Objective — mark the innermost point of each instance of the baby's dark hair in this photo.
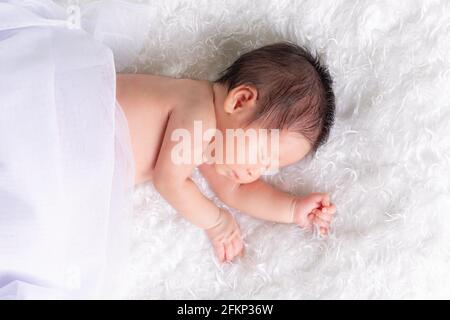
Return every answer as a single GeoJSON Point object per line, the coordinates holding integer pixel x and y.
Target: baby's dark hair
{"type": "Point", "coordinates": [294, 89]}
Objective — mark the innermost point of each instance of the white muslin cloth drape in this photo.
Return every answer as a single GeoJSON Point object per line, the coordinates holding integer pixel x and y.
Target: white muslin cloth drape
{"type": "Point", "coordinates": [66, 167]}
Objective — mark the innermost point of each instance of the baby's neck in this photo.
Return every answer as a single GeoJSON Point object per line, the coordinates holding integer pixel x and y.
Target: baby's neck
{"type": "Point", "coordinates": [219, 95]}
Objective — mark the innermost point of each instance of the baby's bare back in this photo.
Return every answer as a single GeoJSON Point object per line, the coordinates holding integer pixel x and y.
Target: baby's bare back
{"type": "Point", "coordinates": [148, 102]}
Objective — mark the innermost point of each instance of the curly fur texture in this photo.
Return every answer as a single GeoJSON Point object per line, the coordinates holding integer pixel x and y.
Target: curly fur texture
{"type": "Point", "coordinates": [386, 165]}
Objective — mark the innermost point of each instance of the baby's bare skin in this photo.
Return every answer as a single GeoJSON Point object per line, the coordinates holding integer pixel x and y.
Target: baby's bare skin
{"type": "Point", "coordinates": [156, 105]}
{"type": "Point", "coordinates": [148, 101]}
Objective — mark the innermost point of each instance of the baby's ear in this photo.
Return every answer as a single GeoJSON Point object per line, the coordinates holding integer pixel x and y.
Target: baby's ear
{"type": "Point", "coordinates": [241, 98]}
{"type": "Point", "coordinates": [230, 105]}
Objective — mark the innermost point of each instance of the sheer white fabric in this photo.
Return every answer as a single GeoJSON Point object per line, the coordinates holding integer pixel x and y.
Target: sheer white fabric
{"type": "Point", "coordinates": [66, 170]}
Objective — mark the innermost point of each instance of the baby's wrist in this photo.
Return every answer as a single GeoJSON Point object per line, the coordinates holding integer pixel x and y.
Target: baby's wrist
{"type": "Point", "coordinates": [217, 221]}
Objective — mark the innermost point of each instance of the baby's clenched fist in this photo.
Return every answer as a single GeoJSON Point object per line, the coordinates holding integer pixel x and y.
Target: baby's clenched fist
{"type": "Point", "coordinates": [314, 209]}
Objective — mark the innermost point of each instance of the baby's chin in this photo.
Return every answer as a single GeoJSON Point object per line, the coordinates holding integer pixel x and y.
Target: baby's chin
{"type": "Point", "coordinates": [226, 172]}
{"type": "Point", "coordinates": [230, 174]}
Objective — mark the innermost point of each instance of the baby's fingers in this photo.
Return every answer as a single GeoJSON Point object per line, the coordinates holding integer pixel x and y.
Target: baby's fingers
{"type": "Point", "coordinates": [331, 209]}
{"type": "Point", "coordinates": [325, 216]}
{"type": "Point", "coordinates": [238, 246]}
{"type": "Point", "coordinates": [229, 251]}
{"type": "Point", "coordinates": [325, 199]}
{"type": "Point", "coordinates": [320, 222]}
{"type": "Point", "coordinates": [219, 248]}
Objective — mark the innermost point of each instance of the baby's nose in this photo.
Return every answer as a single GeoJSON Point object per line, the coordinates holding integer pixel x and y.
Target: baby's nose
{"type": "Point", "coordinates": [254, 172]}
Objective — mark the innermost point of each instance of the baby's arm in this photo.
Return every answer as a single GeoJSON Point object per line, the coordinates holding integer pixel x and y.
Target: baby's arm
{"type": "Point", "coordinates": [261, 200]}
{"type": "Point", "coordinates": [173, 182]}
{"type": "Point", "coordinates": [257, 199]}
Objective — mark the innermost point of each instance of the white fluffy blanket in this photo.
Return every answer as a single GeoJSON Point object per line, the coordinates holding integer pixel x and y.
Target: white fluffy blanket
{"type": "Point", "coordinates": [386, 165]}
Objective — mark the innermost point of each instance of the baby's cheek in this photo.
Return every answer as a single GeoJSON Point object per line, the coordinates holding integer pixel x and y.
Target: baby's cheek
{"type": "Point", "coordinates": [220, 169]}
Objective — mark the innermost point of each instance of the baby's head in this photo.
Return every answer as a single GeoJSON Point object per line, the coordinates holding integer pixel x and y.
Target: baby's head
{"type": "Point", "coordinates": [278, 86]}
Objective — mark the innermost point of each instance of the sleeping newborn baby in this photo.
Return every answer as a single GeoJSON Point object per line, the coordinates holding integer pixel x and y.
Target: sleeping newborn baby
{"type": "Point", "coordinates": [269, 109]}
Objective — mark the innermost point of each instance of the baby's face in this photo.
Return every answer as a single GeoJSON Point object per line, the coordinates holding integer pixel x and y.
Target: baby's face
{"type": "Point", "coordinates": [291, 148]}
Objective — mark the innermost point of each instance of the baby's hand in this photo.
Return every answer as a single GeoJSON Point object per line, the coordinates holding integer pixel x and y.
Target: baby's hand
{"type": "Point", "coordinates": [314, 209]}
{"type": "Point", "coordinates": [226, 238]}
